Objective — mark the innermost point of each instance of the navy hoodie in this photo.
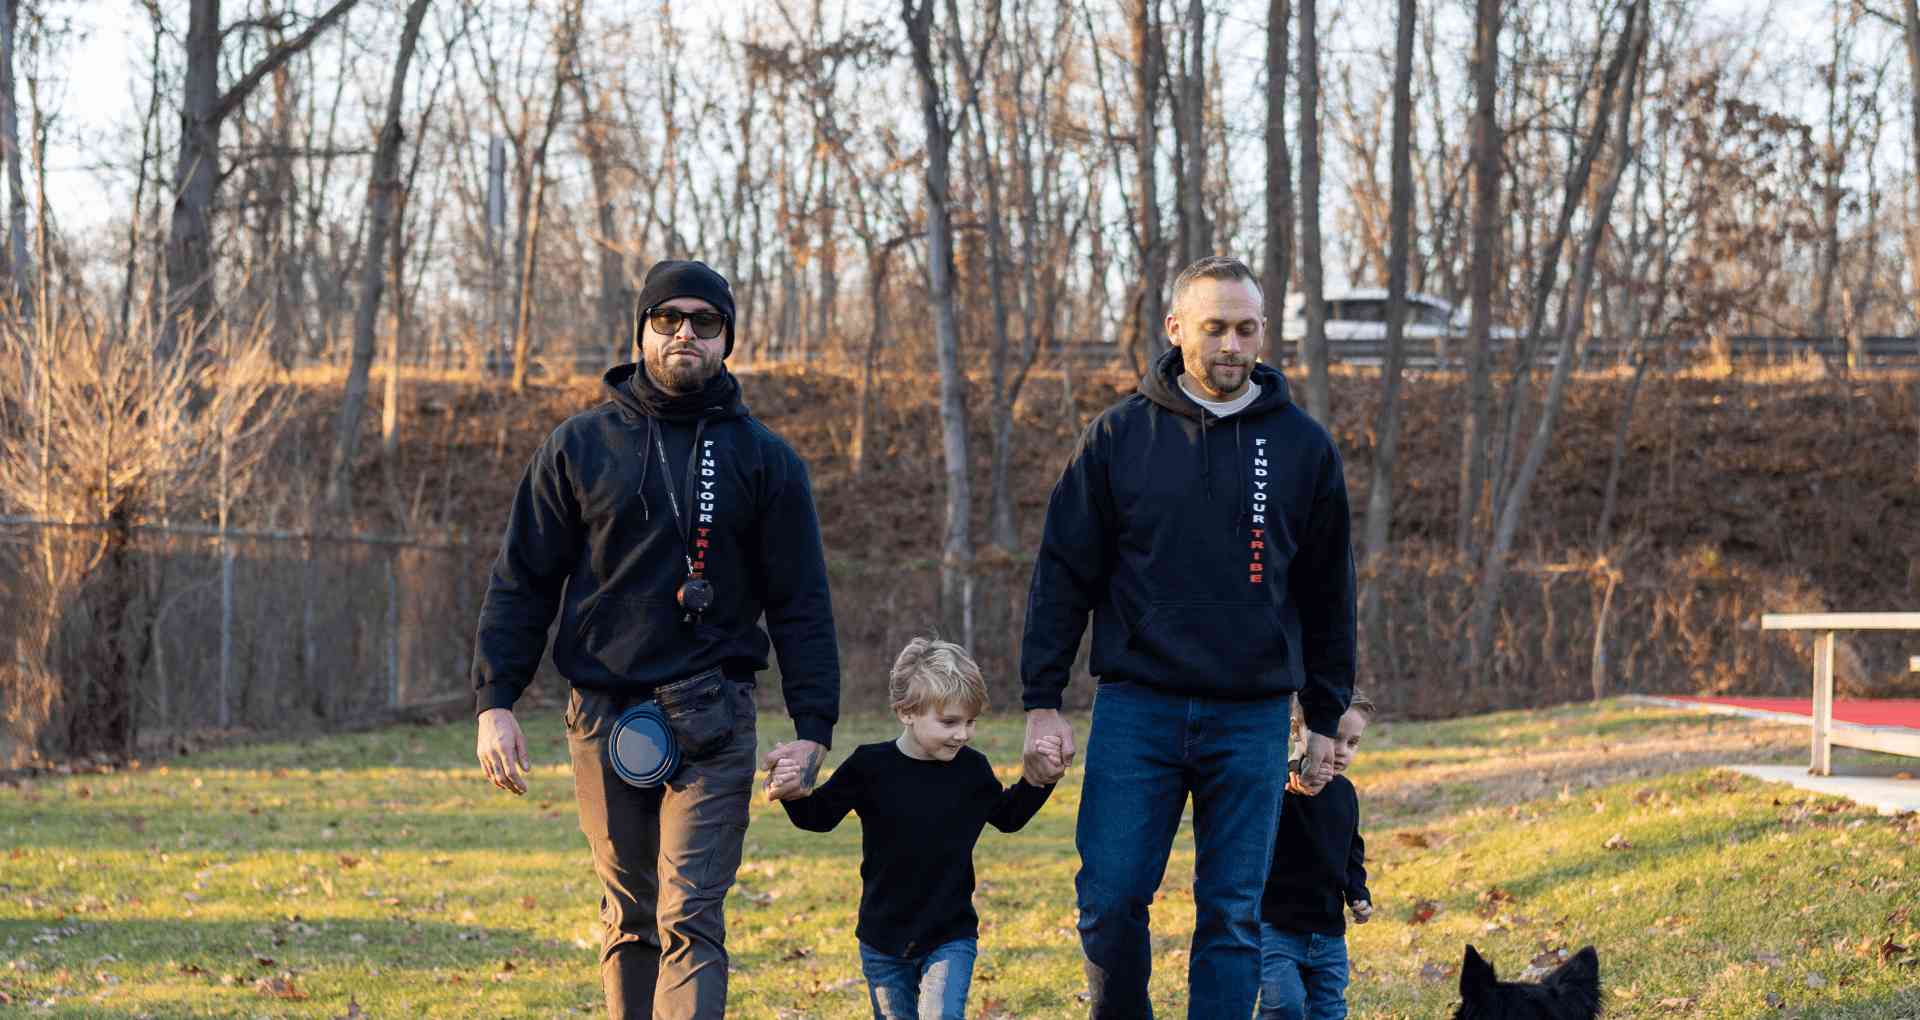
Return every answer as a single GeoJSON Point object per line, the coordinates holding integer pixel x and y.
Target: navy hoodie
{"type": "Point", "coordinates": [1213, 553]}
{"type": "Point", "coordinates": [592, 534]}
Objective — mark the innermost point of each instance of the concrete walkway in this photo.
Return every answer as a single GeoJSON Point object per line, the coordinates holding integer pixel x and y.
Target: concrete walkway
{"type": "Point", "coordinates": [1882, 792]}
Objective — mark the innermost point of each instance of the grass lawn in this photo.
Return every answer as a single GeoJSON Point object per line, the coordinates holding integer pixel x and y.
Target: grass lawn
{"type": "Point", "coordinates": [377, 875]}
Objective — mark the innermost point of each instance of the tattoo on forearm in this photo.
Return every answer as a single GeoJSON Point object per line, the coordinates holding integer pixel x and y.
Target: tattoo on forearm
{"type": "Point", "coordinates": [811, 770]}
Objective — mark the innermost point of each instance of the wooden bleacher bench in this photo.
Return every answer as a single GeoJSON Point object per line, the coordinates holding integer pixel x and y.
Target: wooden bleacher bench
{"type": "Point", "coordinates": [1827, 733]}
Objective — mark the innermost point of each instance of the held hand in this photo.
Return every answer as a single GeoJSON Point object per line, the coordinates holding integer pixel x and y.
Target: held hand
{"type": "Point", "coordinates": [793, 768]}
{"type": "Point", "coordinates": [1305, 786]}
{"type": "Point", "coordinates": [1037, 764]}
{"type": "Point", "coordinates": [1362, 911]}
{"type": "Point", "coordinates": [1054, 759]}
{"type": "Point", "coordinates": [502, 750]}
{"type": "Point", "coordinates": [1317, 762]}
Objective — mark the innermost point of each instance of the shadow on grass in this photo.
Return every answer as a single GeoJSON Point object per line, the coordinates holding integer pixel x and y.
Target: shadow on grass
{"type": "Point", "coordinates": [238, 946]}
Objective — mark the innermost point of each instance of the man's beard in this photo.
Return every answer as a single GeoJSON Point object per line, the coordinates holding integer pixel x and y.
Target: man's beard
{"type": "Point", "coordinates": [1227, 378]}
{"type": "Point", "coordinates": [679, 375]}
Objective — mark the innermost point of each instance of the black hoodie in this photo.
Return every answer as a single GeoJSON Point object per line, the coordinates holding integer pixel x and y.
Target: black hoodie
{"type": "Point", "coordinates": [592, 533]}
{"type": "Point", "coordinates": [1213, 554]}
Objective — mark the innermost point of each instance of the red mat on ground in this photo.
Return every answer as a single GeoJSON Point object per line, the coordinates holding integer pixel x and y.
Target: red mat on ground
{"type": "Point", "coordinates": [1879, 712]}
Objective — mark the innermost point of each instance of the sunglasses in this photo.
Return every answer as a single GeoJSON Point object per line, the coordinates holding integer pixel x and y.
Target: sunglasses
{"type": "Point", "coordinates": [666, 322]}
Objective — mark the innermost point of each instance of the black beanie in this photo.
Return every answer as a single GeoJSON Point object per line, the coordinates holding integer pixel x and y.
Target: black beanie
{"type": "Point", "coordinates": [672, 278]}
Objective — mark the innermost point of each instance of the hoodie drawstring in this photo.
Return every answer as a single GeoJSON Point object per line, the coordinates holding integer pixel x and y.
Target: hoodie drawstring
{"type": "Point", "coordinates": [645, 462]}
{"type": "Point", "coordinates": [1206, 461]}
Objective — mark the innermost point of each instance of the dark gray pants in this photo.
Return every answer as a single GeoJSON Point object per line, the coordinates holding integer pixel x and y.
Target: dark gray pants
{"type": "Point", "coordinates": [666, 858]}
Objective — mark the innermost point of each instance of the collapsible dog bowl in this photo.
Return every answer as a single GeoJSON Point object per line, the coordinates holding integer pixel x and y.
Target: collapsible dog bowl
{"type": "Point", "coordinates": [641, 747]}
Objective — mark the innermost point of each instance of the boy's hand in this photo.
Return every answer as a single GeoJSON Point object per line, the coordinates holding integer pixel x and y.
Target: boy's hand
{"type": "Point", "coordinates": [1041, 724]}
{"type": "Point", "coordinates": [792, 768]}
{"type": "Point", "coordinates": [1307, 784]}
{"type": "Point", "coordinates": [1362, 911]}
{"type": "Point", "coordinates": [1052, 766]}
{"type": "Point", "coordinates": [783, 781]}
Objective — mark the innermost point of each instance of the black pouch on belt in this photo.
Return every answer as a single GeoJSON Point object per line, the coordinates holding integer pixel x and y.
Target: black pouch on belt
{"type": "Point", "coordinates": [700, 712]}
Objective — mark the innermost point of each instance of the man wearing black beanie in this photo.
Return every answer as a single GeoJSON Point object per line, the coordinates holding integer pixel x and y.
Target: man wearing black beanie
{"type": "Point", "coordinates": [662, 526]}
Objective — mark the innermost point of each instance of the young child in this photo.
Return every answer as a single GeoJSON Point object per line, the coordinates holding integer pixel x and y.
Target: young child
{"type": "Point", "coordinates": [923, 799]}
{"type": "Point", "coordinates": [1318, 868]}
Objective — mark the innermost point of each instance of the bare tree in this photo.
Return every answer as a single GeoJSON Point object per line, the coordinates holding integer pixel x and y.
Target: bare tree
{"type": "Point", "coordinates": [1190, 187]}
{"type": "Point", "coordinates": [1626, 60]}
{"type": "Point", "coordinates": [1379, 521]}
{"type": "Point", "coordinates": [1278, 252]}
{"type": "Point", "coordinates": [15, 264]}
{"type": "Point", "coordinates": [1313, 347]}
{"type": "Point", "coordinates": [204, 109]}
{"type": "Point", "coordinates": [616, 285]}
{"type": "Point", "coordinates": [1148, 57]}
{"type": "Point", "coordinates": [1487, 145]}
{"type": "Point", "coordinates": [956, 560]}
{"type": "Point", "coordinates": [382, 190]}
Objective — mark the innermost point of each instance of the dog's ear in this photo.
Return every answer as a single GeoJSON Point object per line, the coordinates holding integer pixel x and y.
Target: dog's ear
{"type": "Point", "coordinates": [1583, 969]}
{"type": "Point", "coordinates": [1476, 975]}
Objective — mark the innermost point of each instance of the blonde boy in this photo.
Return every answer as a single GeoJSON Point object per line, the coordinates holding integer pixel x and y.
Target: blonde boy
{"type": "Point", "coordinates": [1319, 868]}
{"type": "Point", "coordinates": [923, 799]}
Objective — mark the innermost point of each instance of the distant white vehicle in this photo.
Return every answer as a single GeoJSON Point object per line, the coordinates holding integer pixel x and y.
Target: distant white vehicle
{"type": "Point", "coordinates": [1361, 315]}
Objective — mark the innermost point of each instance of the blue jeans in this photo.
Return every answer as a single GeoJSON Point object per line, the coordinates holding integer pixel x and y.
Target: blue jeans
{"type": "Point", "coordinates": [930, 987]}
{"type": "Point", "coordinates": [1148, 750]}
{"type": "Point", "coordinates": [1303, 975]}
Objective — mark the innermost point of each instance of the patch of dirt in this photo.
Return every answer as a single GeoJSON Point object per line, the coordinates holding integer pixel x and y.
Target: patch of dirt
{"type": "Point", "coordinates": [1524, 773]}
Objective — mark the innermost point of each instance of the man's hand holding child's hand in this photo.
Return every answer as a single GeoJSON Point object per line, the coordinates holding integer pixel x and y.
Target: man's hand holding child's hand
{"type": "Point", "coordinates": [1053, 751]}
{"type": "Point", "coordinates": [1362, 911]}
{"type": "Point", "coordinates": [792, 769]}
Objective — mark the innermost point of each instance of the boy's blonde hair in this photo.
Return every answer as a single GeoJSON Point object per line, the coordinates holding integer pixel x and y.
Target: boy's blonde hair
{"type": "Point", "coordinates": [929, 673]}
{"type": "Point", "coordinates": [1360, 703]}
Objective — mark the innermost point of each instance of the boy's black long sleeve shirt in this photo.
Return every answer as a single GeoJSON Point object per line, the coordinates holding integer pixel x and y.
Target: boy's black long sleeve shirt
{"type": "Point", "coordinates": [1319, 861]}
{"type": "Point", "coordinates": [919, 821]}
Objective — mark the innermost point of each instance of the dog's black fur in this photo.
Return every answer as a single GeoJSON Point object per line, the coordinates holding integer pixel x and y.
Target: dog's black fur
{"type": "Point", "coordinates": [1571, 992]}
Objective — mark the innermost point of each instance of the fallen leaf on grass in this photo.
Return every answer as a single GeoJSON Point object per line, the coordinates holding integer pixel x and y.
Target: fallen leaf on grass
{"type": "Point", "coordinates": [1435, 971]}
{"type": "Point", "coordinates": [1617, 842]}
{"type": "Point", "coordinates": [1767, 960]}
{"type": "Point", "coordinates": [796, 953]}
{"type": "Point", "coordinates": [1816, 981]}
{"type": "Point", "coordinates": [1676, 1002]}
{"type": "Point", "coordinates": [192, 969]}
{"type": "Point", "coordinates": [353, 1010]}
{"type": "Point", "coordinates": [1775, 1001]}
{"type": "Point", "coordinates": [1423, 911]}
{"type": "Point", "coordinates": [281, 987]}
{"type": "Point", "coordinates": [1491, 901]}
{"type": "Point", "coordinates": [348, 862]}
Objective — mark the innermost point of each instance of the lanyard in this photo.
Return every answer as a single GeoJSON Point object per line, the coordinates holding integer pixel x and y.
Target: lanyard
{"type": "Point", "coordinates": [673, 500]}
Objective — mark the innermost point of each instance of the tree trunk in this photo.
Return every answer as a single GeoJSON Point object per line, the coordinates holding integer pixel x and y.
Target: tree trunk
{"type": "Point", "coordinates": [1314, 346]}
{"type": "Point", "coordinates": [533, 198]}
{"type": "Point", "coordinates": [1487, 143]}
{"type": "Point", "coordinates": [956, 561]}
{"type": "Point", "coordinates": [18, 267]}
{"type": "Point", "coordinates": [1192, 183]}
{"type": "Point", "coordinates": [1152, 335]}
{"type": "Point", "coordinates": [382, 190]}
{"type": "Point", "coordinates": [1379, 521]}
{"type": "Point", "coordinates": [1913, 219]}
{"type": "Point", "coordinates": [863, 406]}
{"type": "Point", "coordinates": [1278, 253]}
{"type": "Point", "coordinates": [616, 290]}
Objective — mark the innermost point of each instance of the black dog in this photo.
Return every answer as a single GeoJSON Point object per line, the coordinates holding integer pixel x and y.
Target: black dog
{"type": "Point", "coordinates": [1571, 992]}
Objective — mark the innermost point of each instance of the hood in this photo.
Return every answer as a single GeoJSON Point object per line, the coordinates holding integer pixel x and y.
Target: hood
{"type": "Point", "coordinates": [1161, 385]}
{"type": "Point", "coordinates": [637, 397]}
